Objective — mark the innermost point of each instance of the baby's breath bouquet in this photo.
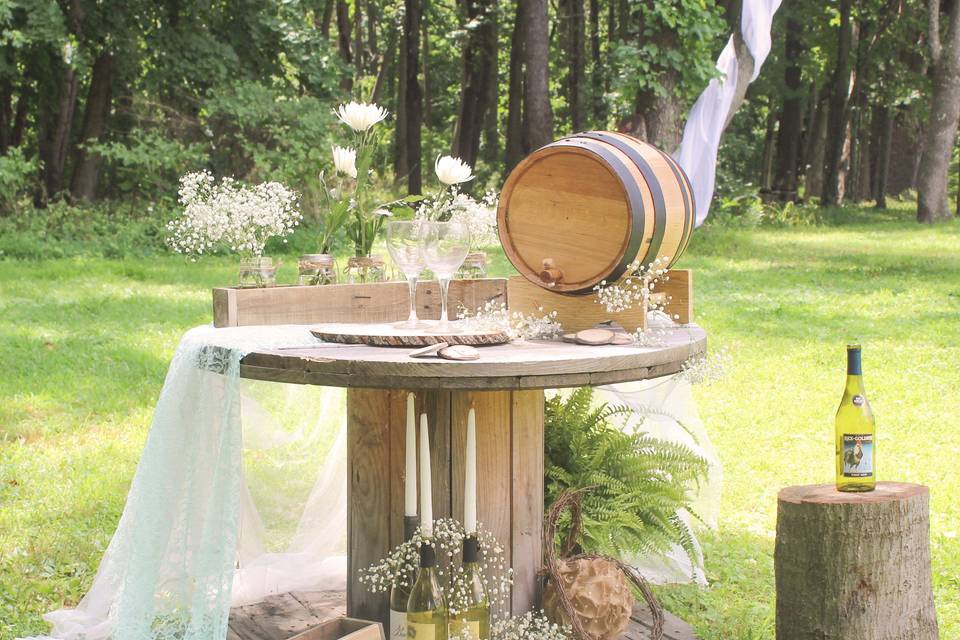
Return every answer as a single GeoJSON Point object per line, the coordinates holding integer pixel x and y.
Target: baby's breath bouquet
{"type": "Point", "coordinates": [231, 216]}
{"type": "Point", "coordinates": [398, 567]}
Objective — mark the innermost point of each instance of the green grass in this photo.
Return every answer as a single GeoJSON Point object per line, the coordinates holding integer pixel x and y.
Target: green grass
{"type": "Point", "coordinates": [84, 345]}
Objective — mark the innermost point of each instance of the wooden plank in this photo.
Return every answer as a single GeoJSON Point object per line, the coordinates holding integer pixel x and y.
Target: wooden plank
{"type": "Point", "coordinates": [678, 288]}
{"type": "Point", "coordinates": [398, 462]}
{"type": "Point", "coordinates": [368, 497]}
{"type": "Point", "coordinates": [437, 406]}
{"type": "Point", "coordinates": [372, 302]}
{"type": "Point", "coordinates": [323, 604]}
{"type": "Point", "coordinates": [641, 622]}
{"type": "Point", "coordinates": [526, 496]}
{"type": "Point", "coordinates": [275, 618]}
{"type": "Point", "coordinates": [574, 313]}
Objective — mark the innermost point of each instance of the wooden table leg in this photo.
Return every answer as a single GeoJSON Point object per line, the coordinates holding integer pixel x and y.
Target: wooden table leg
{"type": "Point", "coordinates": [509, 478]}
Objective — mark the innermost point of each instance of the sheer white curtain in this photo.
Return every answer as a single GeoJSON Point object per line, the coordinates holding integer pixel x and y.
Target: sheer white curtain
{"type": "Point", "coordinates": [701, 135]}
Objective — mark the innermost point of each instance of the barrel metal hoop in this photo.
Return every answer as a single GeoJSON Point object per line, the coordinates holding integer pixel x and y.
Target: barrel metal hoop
{"type": "Point", "coordinates": [659, 202]}
{"type": "Point", "coordinates": [633, 194]}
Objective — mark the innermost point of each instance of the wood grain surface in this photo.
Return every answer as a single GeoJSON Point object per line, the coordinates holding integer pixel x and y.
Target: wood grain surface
{"type": "Point", "coordinates": [533, 364]}
{"type": "Point", "coordinates": [387, 335]}
{"type": "Point", "coordinates": [371, 302]}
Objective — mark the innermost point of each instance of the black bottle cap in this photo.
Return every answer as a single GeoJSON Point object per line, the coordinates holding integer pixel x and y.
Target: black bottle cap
{"type": "Point", "coordinates": [428, 556]}
{"type": "Point", "coordinates": [471, 549]}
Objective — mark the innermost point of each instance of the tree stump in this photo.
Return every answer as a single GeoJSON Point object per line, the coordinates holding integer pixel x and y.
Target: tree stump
{"type": "Point", "coordinates": [854, 566]}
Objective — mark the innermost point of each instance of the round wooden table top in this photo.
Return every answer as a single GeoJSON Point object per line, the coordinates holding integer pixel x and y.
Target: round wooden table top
{"type": "Point", "coordinates": [534, 364]}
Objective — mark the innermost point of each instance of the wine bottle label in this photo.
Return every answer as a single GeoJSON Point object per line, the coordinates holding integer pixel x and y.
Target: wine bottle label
{"type": "Point", "coordinates": [398, 625]}
{"type": "Point", "coordinates": [858, 455]}
{"type": "Point", "coordinates": [421, 631]}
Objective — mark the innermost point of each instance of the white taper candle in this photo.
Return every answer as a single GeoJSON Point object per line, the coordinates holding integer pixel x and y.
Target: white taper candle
{"type": "Point", "coordinates": [410, 479]}
{"type": "Point", "coordinates": [426, 484]}
{"type": "Point", "coordinates": [470, 482]}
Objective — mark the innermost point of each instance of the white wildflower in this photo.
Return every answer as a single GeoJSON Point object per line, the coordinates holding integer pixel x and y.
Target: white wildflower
{"type": "Point", "coordinates": [360, 116]}
{"type": "Point", "coordinates": [451, 171]}
{"type": "Point", "coordinates": [345, 160]}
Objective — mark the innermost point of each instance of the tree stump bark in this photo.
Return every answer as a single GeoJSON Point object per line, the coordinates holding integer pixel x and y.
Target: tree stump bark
{"type": "Point", "coordinates": [854, 566]}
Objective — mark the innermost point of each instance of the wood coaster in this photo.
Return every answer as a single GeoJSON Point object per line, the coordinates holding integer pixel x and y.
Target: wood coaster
{"type": "Point", "coordinates": [595, 337]}
{"type": "Point", "coordinates": [459, 352]}
{"type": "Point", "coordinates": [427, 351]}
{"type": "Point", "coordinates": [622, 339]}
{"type": "Point", "coordinates": [569, 337]}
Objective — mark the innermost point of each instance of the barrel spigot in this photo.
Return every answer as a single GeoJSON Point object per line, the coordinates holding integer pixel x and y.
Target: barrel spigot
{"type": "Point", "coordinates": [550, 275]}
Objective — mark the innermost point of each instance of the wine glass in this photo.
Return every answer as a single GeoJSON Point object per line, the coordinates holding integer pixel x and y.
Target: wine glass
{"type": "Point", "coordinates": [445, 245]}
{"type": "Point", "coordinates": [404, 245]}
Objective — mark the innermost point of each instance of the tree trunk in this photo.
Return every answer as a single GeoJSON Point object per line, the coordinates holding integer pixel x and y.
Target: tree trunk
{"type": "Point", "coordinates": [87, 165]}
{"type": "Point", "coordinates": [575, 80]}
{"type": "Point", "coordinates": [537, 112]}
{"type": "Point", "coordinates": [514, 151]}
{"type": "Point", "coordinates": [766, 162]}
{"type": "Point", "coordinates": [858, 116]}
{"type": "Point", "coordinates": [940, 131]}
{"type": "Point", "coordinates": [490, 149]}
{"type": "Point", "coordinates": [386, 65]}
{"type": "Point", "coordinates": [413, 98]}
{"type": "Point", "coordinates": [885, 127]}
{"type": "Point", "coordinates": [56, 122]}
{"type": "Point", "coordinates": [791, 117]}
{"type": "Point", "coordinates": [813, 180]}
{"type": "Point", "coordinates": [837, 120]}
{"type": "Point", "coordinates": [475, 95]}
{"type": "Point", "coordinates": [854, 566]}
{"type": "Point", "coordinates": [6, 114]}
{"type": "Point", "coordinates": [597, 71]}
{"type": "Point", "coordinates": [358, 52]}
{"type": "Point", "coordinates": [401, 165]}
{"type": "Point", "coordinates": [326, 18]}
{"type": "Point", "coordinates": [373, 17]}
{"type": "Point", "coordinates": [427, 101]}
{"type": "Point", "coordinates": [343, 41]}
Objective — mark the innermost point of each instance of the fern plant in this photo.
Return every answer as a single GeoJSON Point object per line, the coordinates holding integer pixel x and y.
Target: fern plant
{"type": "Point", "coordinates": [637, 482]}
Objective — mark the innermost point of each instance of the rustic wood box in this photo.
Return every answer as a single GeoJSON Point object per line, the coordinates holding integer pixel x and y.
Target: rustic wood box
{"type": "Point", "coordinates": [343, 629]}
{"type": "Point", "coordinates": [388, 302]}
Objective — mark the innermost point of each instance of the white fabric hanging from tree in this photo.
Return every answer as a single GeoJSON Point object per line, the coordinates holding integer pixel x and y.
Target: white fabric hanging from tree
{"type": "Point", "coordinates": [715, 106]}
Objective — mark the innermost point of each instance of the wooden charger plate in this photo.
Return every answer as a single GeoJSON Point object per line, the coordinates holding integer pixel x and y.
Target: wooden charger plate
{"type": "Point", "coordinates": [387, 335]}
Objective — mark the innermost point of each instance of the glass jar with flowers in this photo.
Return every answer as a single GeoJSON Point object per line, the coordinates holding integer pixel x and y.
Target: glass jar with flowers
{"type": "Point", "coordinates": [233, 217]}
{"type": "Point", "coordinates": [352, 196]}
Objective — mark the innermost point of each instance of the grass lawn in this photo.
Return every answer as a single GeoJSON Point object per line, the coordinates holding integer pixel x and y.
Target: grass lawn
{"type": "Point", "coordinates": [84, 345]}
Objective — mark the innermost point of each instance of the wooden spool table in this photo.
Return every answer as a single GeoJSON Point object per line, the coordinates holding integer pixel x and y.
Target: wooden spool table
{"type": "Point", "coordinates": [505, 386]}
{"type": "Point", "coordinates": [854, 566]}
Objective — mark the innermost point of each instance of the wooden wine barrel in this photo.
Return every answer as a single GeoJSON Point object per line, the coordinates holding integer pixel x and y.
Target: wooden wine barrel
{"type": "Point", "coordinates": [580, 210]}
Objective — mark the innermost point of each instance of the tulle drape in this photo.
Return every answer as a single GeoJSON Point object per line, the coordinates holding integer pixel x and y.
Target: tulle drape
{"type": "Point", "coordinates": [701, 135]}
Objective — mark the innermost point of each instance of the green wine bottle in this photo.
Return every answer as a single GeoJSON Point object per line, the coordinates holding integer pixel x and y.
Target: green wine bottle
{"type": "Point", "coordinates": [856, 431]}
{"type": "Point", "coordinates": [426, 608]}
{"type": "Point", "coordinates": [400, 593]}
{"type": "Point", "coordinates": [474, 622]}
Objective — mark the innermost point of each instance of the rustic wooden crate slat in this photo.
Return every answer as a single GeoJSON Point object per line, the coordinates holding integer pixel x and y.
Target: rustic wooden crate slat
{"type": "Point", "coordinates": [526, 533]}
{"type": "Point", "coordinates": [371, 302]}
{"type": "Point", "coordinates": [574, 313]}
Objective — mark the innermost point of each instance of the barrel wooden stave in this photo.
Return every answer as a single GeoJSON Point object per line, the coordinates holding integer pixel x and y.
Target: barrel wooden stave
{"type": "Point", "coordinates": [592, 204]}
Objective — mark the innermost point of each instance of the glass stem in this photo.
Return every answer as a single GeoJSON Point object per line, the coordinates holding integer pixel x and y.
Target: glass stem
{"type": "Point", "coordinates": [444, 288]}
{"type": "Point", "coordinates": [412, 283]}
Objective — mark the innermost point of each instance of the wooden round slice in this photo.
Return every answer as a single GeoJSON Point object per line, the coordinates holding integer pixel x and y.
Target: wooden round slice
{"type": "Point", "coordinates": [427, 351]}
{"type": "Point", "coordinates": [459, 352]}
{"type": "Point", "coordinates": [622, 339]}
{"type": "Point", "coordinates": [595, 336]}
{"type": "Point", "coordinates": [569, 337]}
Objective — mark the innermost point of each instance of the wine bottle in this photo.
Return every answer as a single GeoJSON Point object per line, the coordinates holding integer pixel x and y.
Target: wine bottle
{"type": "Point", "coordinates": [426, 608]}
{"type": "Point", "coordinates": [855, 438]}
{"type": "Point", "coordinates": [400, 593]}
{"type": "Point", "coordinates": [474, 621]}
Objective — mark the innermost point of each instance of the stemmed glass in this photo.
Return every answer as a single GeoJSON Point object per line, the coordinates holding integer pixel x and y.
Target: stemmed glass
{"type": "Point", "coordinates": [445, 245]}
{"type": "Point", "coordinates": [405, 247]}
